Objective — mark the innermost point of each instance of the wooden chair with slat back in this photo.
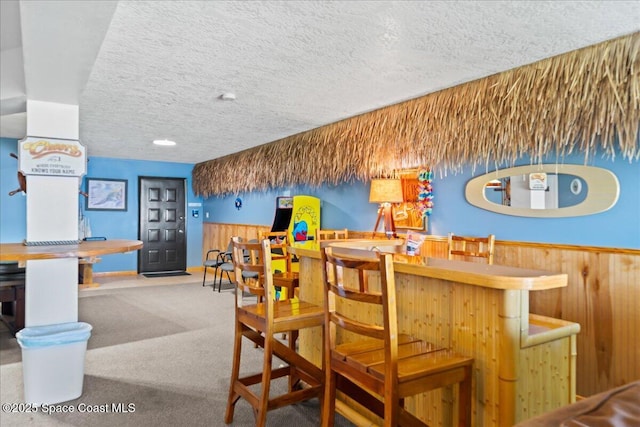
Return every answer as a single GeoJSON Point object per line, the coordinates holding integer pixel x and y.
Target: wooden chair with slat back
{"type": "Point", "coordinates": [260, 322]}
{"type": "Point", "coordinates": [279, 242]}
{"type": "Point", "coordinates": [279, 252]}
{"type": "Point", "coordinates": [327, 234]}
{"type": "Point", "coordinates": [368, 359]}
{"type": "Point", "coordinates": [478, 249]}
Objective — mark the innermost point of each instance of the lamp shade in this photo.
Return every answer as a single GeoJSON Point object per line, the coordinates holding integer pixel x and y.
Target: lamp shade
{"type": "Point", "coordinates": [386, 191]}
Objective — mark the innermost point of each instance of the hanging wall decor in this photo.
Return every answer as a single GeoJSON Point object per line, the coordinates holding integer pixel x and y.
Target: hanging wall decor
{"type": "Point", "coordinates": [410, 214]}
{"type": "Point", "coordinates": [425, 194]}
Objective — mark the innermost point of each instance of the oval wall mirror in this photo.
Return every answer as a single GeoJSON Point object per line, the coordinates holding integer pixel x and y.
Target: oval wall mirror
{"type": "Point", "coordinates": [546, 191]}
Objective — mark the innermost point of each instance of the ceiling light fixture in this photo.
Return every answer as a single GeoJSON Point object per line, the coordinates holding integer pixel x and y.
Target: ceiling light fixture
{"type": "Point", "coordinates": [164, 142]}
{"type": "Point", "coordinates": [228, 96]}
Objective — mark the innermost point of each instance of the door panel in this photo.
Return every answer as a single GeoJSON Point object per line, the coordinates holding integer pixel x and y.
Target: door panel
{"type": "Point", "coordinates": [162, 225]}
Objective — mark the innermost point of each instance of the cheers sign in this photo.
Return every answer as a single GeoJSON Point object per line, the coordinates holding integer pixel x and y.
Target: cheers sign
{"type": "Point", "coordinates": [49, 156]}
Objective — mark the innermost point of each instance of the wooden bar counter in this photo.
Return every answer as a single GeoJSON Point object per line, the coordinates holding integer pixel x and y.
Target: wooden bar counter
{"type": "Point", "coordinates": [21, 252]}
{"type": "Point", "coordinates": [524, 364]}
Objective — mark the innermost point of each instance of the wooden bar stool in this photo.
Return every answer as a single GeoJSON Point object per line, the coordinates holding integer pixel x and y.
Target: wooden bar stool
{"type": "Point", "coordinates": [260, 322]}
{"type": "Point", "coordinates": [326, 234]}
{"type": "Point", "coordinates": [283, 277]}
{"type": "Point", "coordinates": [478, 249]}
{"type": "Point", "coordinates": [279, 241]}
{"type": "Point", "coordinates": [365, 357]}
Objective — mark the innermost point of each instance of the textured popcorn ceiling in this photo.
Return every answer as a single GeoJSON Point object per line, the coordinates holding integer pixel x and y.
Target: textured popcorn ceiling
{"type": "Point", "coordinates": [292, 65]}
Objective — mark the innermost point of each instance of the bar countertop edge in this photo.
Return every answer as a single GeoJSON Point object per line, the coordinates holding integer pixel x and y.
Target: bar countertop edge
{"type": "Point", "coordinates": [488, 276]}
{"type": "Point", "coordinates": [21, 252]}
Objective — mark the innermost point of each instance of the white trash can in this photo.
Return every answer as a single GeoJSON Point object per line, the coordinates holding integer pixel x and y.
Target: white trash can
{"type": "Point", "coordinates": [53, 361]}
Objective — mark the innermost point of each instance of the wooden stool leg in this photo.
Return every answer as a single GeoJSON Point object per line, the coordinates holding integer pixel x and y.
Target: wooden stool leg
{"type": "Point", "coordinates": [329, 403]}
{"type": "Point", "coordinates": [261, 416]}
{"type": "Point", "coordinates": [464, 399]}
{"type": "Point", "coordinates": [235, 372]}
{"type": "Point", "coordinates": [293, 377]}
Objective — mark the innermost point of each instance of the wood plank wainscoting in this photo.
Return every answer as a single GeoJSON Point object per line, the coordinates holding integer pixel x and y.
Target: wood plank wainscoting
{"type": "Point", "coordinates": [602, 296]}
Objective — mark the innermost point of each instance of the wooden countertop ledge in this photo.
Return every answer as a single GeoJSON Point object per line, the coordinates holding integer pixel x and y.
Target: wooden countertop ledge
{"type": "Point", "coordinates": [21, 252]}
{"type": "Point", "coordinates": [488, 276]}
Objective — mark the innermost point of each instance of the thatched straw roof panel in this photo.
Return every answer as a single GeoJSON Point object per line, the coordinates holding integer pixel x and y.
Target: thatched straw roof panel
{"type": "Point", "coordinates": [584, 101]}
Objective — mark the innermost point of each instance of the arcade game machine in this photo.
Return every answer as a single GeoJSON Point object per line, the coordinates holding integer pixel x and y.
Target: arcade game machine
{"type": "Point", "coordinates": [305, 219]}
{"type": "Point", "coordinates": [284, 207]}
{"type": "Point", "coordinates": [298, 217]}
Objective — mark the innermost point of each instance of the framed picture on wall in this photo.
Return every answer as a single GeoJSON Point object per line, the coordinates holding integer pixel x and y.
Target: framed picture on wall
{"type": "Point", "coordinates": [106, 194]}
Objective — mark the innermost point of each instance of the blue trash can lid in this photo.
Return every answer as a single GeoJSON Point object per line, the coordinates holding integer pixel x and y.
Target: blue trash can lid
{"type": "Point", "coordinates": [47, 335]}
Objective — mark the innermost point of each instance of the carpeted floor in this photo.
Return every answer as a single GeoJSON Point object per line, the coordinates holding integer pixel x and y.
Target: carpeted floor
{"type": "Point", "coordinates": [163, 352]}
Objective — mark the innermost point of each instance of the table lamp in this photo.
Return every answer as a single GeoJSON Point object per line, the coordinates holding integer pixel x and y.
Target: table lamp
{"type": "Point", "coordinates": [386, 192]}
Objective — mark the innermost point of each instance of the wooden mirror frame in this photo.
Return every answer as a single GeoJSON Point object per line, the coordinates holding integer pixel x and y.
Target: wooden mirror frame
{"type": "Point", "coordinates": [603, 190]}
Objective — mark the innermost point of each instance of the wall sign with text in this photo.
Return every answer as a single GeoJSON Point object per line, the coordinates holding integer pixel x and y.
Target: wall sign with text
{"type": "Point", "coordinates": [51, 156]}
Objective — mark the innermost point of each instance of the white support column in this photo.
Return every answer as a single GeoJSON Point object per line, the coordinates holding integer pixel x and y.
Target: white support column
{"type": "Point", "coordinates": [52, 208]}
{"type": "Point", "coordinates": [51, 292]}
{"type": "Point", "coordinates": [53, 166]}
{"type": "Point", "coordinates": [53, 120]}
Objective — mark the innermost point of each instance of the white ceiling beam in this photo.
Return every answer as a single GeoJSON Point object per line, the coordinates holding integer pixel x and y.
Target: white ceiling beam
{"type": "Point", "coordinates": [12, 72]}
{"type": "Point", "coordinates": [61, 40]}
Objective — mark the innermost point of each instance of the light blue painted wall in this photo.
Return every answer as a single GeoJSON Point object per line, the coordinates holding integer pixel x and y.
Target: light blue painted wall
{"type": "Point", "coordinates": [125, 224]}
{"type": "Point", "coordinates": [348, 206]}
{"type": "Point", "coordinates": [345, 205]}
{"type": "Point", "coordinates": [341, 206]}
{"type": "Point", "coordinates": [112, 225]}
{"type": "Point", "coordinates": [618, 227]}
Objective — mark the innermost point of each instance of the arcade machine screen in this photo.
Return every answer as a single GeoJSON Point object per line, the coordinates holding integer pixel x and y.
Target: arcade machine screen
{"type": "Point", "coordinates": [282, 219]}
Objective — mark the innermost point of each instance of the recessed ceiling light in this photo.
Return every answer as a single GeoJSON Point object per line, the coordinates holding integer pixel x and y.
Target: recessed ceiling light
{"type": "Point", "coordinates": [164, 142]}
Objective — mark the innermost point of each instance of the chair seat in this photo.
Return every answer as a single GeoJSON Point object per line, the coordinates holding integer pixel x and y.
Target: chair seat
{"type": "Point", "coordinates": [249, 274]}
{"type": "Point", "coordinates": [362, 346]}
{"type": "Point", "coordinates": [211, 263]}
{"type": "Point", "coordinates": [287, 315]}
{"type": "Point", "coordinates": [407, 347]}
{"type": "Point", "coordinates": [416, 358]}
{"type": "Point", "coordinates": [430, 362]}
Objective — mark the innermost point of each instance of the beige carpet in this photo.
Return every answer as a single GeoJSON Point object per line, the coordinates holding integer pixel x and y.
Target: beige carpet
{"type": "Point", "coordinates": [165, 349]}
